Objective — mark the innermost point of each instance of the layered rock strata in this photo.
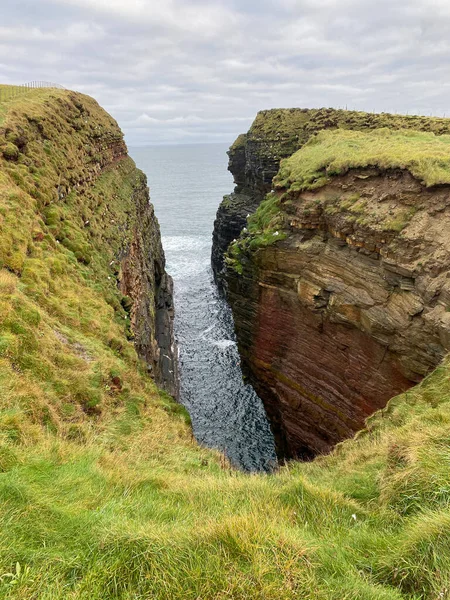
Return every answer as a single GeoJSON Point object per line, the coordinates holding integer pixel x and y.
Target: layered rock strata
{"type": "Point", "coordinates": [254, 159]}
{"type": "Point", "coordinates": [142, 278]}
{"type": "Point", "coordinates": [350, 309]}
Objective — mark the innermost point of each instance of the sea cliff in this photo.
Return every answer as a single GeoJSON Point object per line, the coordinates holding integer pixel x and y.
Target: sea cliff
{"type": "Point", "coordinates": [77, 213]}
{"type": "Point", "coordinates": [339, 288]}
{"type": "Point", "coordinates": [254, 159]}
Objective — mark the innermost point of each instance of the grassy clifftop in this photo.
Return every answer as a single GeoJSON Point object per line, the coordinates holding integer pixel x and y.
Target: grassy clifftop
{"type": "Point", "coordinates": [103, 493]}
{"type": "Point", "coordinates": [285, 130]}
{"type": "Point", "coordinates": [424, 155]}
{"type": "Point", "coordinates": [335, 152]}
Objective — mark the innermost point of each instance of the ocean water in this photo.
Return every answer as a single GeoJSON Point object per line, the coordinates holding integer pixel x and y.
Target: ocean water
{"type": "Point", "coordinates": [186, 186]}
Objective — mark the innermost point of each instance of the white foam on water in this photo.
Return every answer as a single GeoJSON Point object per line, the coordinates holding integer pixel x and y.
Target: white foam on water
{"type": "Point", "coordinates": [224, 344]}
{"type": "Point", "coordinates": [207, 330]}
{"type": "Point", "coordinates": [186, 256]}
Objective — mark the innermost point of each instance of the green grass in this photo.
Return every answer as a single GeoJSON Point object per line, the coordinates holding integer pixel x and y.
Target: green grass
{"type": "Point", "coordinates": [331, 142]}
{"type": "Point", "coordinates": [264, 228]}
{"type": "Point", "coordinates": [117, 516]}
{"type": "Point", "coordinates": [281, 132]}
{"type": "Point", "coordinates": [103, 492]}
{"type": "Point", "coordinates": [331, 153]}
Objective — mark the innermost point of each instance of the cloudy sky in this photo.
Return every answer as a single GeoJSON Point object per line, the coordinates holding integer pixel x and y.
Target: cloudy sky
{"type": "Point", "coordinates": [181, 71]}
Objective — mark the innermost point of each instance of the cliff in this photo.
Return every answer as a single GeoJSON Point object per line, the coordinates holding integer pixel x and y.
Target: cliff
{"type": "Point", "coordinates": [339, 289]}
{"type": "Point", "coordinates": [78, 228]}
{"type": "Point", "coordinates": [254, 159]}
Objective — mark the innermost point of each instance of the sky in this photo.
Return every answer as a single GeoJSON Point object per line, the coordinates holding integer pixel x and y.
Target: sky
{"type": "Point", "coordinates": [188, 71]}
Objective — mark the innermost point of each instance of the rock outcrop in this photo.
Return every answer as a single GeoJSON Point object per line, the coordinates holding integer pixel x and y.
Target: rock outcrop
{"type": "Point", "coordinates": [142, 278]}
{"type": "Point", "coordinates": [68, 155]}
{"type": "Point", "coordinates": [254, 159]}
{"type": "Point", "coordinates": [349, 309]}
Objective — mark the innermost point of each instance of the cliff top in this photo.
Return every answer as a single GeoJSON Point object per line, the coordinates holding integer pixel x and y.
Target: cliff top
{"type": "Point", "coordinates": [425, 155]}
{"type": "Point", "coordinates": [301, 123]}
{"type": "Point", "coordinates": [278, 133]}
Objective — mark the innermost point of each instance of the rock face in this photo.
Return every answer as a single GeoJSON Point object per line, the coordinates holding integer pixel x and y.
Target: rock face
{"type": "Point", "coordinates": [69, 156]}
{"type": "Point", "coordinates": [230, 220]}
{"type": "Point", "coordinates": [142, 278]}
{"type": "Point", "coordinates": [350, 309]}
{"type": "Point", "coordinates": [254, 159]}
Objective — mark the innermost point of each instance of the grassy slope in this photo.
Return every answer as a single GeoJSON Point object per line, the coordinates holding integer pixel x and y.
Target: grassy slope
{"type": "Point", "coordinates": [330, 153]}
{"type": "Point", "coordinates": [283, 131]}
{"type": "Point", "coordinates": [122, 504]}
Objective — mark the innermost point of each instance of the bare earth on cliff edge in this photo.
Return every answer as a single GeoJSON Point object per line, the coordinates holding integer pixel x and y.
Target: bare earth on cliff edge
{"type": "Point", "coordinates": [104, 495]}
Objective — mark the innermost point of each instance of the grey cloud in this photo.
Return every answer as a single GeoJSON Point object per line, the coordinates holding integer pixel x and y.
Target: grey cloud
{"type": "Point", "coordinates": [199, 70]}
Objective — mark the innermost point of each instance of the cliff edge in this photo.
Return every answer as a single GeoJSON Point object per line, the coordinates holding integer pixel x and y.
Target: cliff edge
{"type": "Point", "coordinates": [80, 238]}
{"type": "Point", "coordinates": [254, 159]}
{"type": "Point", "coordinates": [340, 287]}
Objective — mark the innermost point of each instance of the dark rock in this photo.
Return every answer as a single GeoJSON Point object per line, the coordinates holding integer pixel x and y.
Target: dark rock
{"type": "Point", "coordinates": [147, 290]}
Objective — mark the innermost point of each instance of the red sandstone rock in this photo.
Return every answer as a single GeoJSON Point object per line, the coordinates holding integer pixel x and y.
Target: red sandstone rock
{"type": "Point", "coordinates": [350, 309]}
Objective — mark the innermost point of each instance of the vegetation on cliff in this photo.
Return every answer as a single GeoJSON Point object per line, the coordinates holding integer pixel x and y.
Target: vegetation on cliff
{"type": "Point", "coordinates": [329, 153]}
{"type": "Point", "coordinates": [264, 227]}
{"type": "Point", "coordinates": [103, 493]}
{"type": "Point", "coordinates": [334, 152]}
{"type": "Point", "coordinates": [277, 134]}
{"type": "Point", "coordinates": [282, 131]}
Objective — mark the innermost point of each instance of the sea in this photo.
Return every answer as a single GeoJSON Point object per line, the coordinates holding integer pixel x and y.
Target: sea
{"type": "Point", "coordinates": [187, 183]}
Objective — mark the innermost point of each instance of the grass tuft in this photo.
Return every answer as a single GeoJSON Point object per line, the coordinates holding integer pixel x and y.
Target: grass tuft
{"type": "Point", "coordinates": [332, 153]}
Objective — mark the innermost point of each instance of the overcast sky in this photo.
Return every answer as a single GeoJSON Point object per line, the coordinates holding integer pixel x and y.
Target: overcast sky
{"type": "Point", "coordinates": [181, 71]}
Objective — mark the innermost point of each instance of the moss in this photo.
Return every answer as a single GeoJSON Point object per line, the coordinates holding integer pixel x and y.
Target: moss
{"type": "Point", "coordinates": [239, 143]}
{"type": "Point", "coordinates": [10, 152]}
{"type": "Point", "coordinates": [264, 228]}
{"type": "Point", "coordinates": [127, 303]}
{"type": "Point", "coordinates": [401, 220]}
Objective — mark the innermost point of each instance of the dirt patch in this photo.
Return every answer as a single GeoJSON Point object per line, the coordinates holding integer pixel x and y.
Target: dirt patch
{"type": "Point", "coordinates": [76, 347]}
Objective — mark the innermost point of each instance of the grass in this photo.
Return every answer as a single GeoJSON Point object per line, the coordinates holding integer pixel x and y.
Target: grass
{"type": "Point", "coordinates": [311, 145]}
{"type": "Point", "coordinates": [264, 228]}
{"type": "Point", "coordinates": [119, 515]}
{"type": "Point", "coordinates": [103, 492]}
{"type": "Point", "coordinates": [279, 133]}
{"type": "Point", "coordinates": [332, 153]}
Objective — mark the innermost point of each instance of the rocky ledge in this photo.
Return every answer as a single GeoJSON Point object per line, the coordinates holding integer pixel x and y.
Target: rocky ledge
{"type": "Point", "coordinates": [255, 157]}
{"type": "Point", "coordinates": [341, 291]}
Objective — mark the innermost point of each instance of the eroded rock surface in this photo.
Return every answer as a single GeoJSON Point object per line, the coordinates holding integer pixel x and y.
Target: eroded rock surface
{"type": "Point", "coordinates": [254, 159]}
{"type": "Point", "coordinates": [350, 309]}
{"type": "Point", "coordinates": [142, 277]}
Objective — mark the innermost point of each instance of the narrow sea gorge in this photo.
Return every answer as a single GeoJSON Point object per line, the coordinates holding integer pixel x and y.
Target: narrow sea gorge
{"type": "Point", "coordinates": [187, 183]}
{"type": "Point", "coordinates": [104, 491]}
